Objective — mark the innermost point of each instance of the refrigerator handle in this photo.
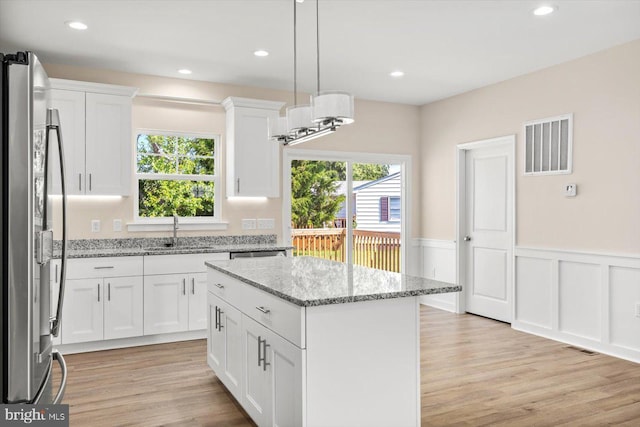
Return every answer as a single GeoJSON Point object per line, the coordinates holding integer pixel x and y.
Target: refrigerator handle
{"type": "Point", "coordinates": [53, 123]}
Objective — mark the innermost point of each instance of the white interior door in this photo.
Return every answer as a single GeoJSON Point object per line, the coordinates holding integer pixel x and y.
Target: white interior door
{"type": "Point", "coordinates": [488, 238]}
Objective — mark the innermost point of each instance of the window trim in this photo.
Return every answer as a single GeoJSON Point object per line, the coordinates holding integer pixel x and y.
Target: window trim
{"type": "Point", "coordinates": [194, 223]}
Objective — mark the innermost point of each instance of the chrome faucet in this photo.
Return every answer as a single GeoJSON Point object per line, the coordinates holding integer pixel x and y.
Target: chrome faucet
{"type": "Point", "coordinates": [175, 230]}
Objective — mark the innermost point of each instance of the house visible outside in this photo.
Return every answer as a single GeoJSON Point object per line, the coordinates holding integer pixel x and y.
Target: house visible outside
{"type": "Point", "coordinates": [376, 204]}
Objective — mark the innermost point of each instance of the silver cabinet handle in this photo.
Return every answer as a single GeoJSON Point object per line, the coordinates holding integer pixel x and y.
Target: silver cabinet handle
{"type": "Point", "coordinates": [56, 273]}
{"type": "Point", "coordinates": [184, 286]}
{"type": "Point", "coordinates": [263, 310]}
{"type": "Point", "coordinates": [220, 325]}
{"type": "Point", "coordinates": [108, 291]}
{"type": "Point", "coordinates": [262, 353]}
{"type": "Point", "coordinates": [238, 185]}
{"type": "Point", "coordinates": [79, 182]}
{"type": "Point", "coordinates": [89, 182]}
{"type": "Point", "coordinates": [104, 267]}
{"type": "Point", "coordinates": [193, 286]}
{"type": "Point", "coordinates": [98, 292]}
{"type": "Point", "coordinates": [219, 285]}
{"type": "Point", "coordinates": [467, 238]}
{"type": "Point", "coordinates": [217, 321]}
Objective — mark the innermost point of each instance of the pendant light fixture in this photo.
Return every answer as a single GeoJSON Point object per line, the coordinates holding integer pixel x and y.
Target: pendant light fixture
{"type": "Point", "coordinates": [328, 110]}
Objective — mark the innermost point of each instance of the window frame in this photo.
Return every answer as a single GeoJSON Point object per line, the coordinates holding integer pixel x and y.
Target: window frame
{"type": "Point", "coordinates": [391, 218]}
{"type": "Point", "coordinates": [215, 178]}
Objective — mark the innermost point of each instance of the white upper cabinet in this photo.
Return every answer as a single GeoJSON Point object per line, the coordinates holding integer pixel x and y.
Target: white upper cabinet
{"type": "Point", "coordinates": [96, 130]}
{"type": "Point", "coordinates": [253, 161]}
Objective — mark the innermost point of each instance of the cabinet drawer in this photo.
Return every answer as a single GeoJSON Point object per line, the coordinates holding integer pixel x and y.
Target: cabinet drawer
{"type": "Point", "coordinates": [180, 263]}
{"type": "Point", "coordinates": [282, 317]}
{"type": "Point", "coordinates": [86, 268]}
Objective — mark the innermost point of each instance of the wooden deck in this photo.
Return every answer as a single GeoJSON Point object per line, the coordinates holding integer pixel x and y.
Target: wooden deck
{"type": "Point", "coordinates": [475, 372]}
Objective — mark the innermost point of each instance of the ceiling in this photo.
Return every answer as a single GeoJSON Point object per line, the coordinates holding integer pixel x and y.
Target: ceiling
{"type": "Point", "coordinates": [444, 47]}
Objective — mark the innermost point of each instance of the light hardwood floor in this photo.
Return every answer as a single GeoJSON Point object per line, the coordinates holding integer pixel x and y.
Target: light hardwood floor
{"type": "Point", "coordinates": [475, 372]}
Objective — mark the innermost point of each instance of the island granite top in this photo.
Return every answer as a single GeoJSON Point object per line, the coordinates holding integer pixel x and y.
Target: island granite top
{"type": "Point", "coordinates": [308, 281]}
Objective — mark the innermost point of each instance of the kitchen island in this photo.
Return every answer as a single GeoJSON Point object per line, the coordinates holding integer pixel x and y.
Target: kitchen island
{"type": "Point", "coordinates": [309, 342]}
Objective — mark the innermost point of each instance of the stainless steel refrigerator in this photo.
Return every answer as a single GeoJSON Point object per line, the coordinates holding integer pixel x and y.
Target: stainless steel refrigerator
{"type": "Point", "coordinates": [29, 129]}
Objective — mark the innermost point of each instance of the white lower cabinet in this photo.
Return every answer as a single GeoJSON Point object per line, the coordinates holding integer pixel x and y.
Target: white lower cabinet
{"type": "Point", "coordinates": [102, 308]}
{"type": "Point", "coordinates": [175, 303]}
{"type": "Point", "coordinates": [272, 392]}
{"type": "Point", "coordinates": [224, 343]}
{"type": "Point", "coordinates": [175, 292]}
{"type": "Point", "coordinates": [263, 370]}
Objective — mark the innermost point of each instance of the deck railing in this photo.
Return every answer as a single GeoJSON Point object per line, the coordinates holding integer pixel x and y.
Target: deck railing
{"type": "Point", "coordinates": [376, 249]}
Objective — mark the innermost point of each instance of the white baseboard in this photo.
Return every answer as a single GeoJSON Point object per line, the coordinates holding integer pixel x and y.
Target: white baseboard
{"type": "Point", "coordinates": [130, 342]}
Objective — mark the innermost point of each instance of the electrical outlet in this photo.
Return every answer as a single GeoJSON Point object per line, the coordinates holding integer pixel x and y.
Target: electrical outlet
{"type": "Point", "coordinates": [95, 225]}
{"type": "Point", "coordinates": [117, 225]}
{"type": "Point", "coordinates": [433, 273]}
{"type": "Point", "coordinates": [638, 309]}
{"type": "Point", "coordinates": [248, 224]}
{"type": "Point", "coordinates": [266, 223]}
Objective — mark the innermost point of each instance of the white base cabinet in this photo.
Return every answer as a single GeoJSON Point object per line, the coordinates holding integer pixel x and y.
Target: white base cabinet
{"type": "Point", "coordinates": [103, 299]}
{"type": "Point", "coordinates": [352, 364]}
{"type": "Point", "coordinates": [175, 292]}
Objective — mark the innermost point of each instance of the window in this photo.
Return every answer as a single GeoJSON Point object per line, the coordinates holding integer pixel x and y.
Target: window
{"type": "Point", "coordinates": [390, 209]}
{"type": "Point", "coordinates": [176, 174]}
{"type": "Point", "coordinates": [548, 146]}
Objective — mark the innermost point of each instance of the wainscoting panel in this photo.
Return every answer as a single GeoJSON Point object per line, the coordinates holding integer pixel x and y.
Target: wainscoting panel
{"type": "Point", "coordinates": [579, 285]}
{"type": "Point", "coordinates": [584, 299]}
{"type": "Point", "coordinates": [436, 259]}
{"type": "Point", "coordinates": [534, 287]}
{"type": "Point", "coordinates": [624, 302]}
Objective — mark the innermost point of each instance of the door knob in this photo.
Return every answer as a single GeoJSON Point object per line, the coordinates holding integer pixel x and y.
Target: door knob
{"type": "Point", "coordinates": [467, 238]}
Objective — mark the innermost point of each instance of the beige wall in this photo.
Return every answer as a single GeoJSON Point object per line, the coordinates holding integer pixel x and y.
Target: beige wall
{"type": "Point", "coordinates": [603, 93]}
{"type": "Point", "coordinates": [379, 127]}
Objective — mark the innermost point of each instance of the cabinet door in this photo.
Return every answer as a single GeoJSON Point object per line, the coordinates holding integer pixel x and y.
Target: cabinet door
{"type": "Point", "coordinates": [108, 144]}
{"type": "Point", "coordinates": [255, 167]}
{"type": "Point", "coordinates": [82, 317]}
{"type": "Point", "coordinates": [123, 307]}
{"type": "Point", "coordinates": [225, 344]}
{"type": "Point", "coordinates": [197, 301]}
{"type": "Point", "coordinates": [285, 366]}
{"type": "Point", "coordinates": [166, 304]}
{"type": "Point", "coordinates": [256, 396]}
{"type": "Point", "coordinates": [70, 105]}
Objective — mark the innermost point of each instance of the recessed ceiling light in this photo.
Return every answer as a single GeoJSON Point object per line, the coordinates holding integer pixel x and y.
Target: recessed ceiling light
{"type": "Point", "coordinates": [76, 25]}
{"type": "Point", "coordinates": [300, 1]}
{"type": "Point", "coordinates": [184, 71]}
{"type": "Point", "coordinates": [544, 10]}
{"type": "Point", "coordinates": [261, 53]}
{"type": "Point", "coordinates": [397, 73]}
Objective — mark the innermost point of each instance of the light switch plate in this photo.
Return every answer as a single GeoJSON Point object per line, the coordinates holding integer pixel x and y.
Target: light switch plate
{"type": "Point", "coordinates": [95, 225]}
{"type": "Point", "coordinates": [248, 224]}
{"type": "Point", "coordinates": [638, 309]}
{"type": "Point", "coordinates": [117, 225]}
{"type": "Point", "coordinates": [570, 190]}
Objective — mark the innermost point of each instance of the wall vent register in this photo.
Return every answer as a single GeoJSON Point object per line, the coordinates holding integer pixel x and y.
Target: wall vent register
{"type": "Point", "coordinates": [548, 146]}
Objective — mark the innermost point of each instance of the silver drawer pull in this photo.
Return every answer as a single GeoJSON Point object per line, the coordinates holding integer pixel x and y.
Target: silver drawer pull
{"type": "Point", "coordinates": [219, 285]}
{"type": "Point", "coordinates": [264, 310]}
{"type": "Point", "coordinates": [103, 267]}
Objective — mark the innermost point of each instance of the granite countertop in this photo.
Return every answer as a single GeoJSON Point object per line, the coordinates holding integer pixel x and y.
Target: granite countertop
{"type": "Point", "coordinates": [97, 248]}
{"type": "Point", "coordinates": [307, 281]}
